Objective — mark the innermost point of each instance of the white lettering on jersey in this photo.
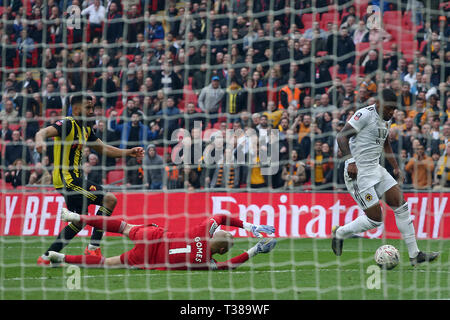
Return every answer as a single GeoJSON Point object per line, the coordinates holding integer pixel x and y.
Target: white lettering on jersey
{"type": "Point", "coordinates": [367, 145]}
{"type": "Point", "coordinates": [199, 246]}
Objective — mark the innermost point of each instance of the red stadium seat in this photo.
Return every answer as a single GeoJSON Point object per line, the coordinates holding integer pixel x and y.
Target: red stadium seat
{"type": "Point", "coordinates": [408, 48]}
{"type": "Point", "coordinates": [392, 18]}
{"type": "Point", "coordinates": [115, 177]}
{"type": "Point", "coordinates": [308, 19]}
{"type": "Point", "coordinates": [361, 7]}
{"type": "Point", "coordinates": [332, 17]}
{"type": "Point", "coordinates": [189, 95]}
{"type": "Point", "coordinates": [48, 111]}
{"type": "Point", "coordinates": [14, 126]}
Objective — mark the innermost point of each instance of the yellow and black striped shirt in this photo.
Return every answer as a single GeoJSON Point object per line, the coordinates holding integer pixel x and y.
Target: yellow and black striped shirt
{"type": "Point", "coordinates": [68, 150]}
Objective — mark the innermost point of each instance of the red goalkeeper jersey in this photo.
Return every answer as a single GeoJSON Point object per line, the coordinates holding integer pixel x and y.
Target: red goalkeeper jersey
{"type": "Point", "coordinates": [156, 248]}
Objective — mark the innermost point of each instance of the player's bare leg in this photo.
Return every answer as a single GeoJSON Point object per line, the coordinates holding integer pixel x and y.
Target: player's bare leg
{"type": "Point", "coordinates": [373, 218]}
{"type": "Point", "coordinates": [394, 199]}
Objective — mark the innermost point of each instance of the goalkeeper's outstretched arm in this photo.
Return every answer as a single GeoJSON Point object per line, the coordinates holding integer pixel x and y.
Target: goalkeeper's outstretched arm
{"type": "Point", "coordinates": [263, 246]}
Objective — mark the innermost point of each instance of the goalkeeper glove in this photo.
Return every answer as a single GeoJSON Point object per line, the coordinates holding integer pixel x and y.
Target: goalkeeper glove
{"type": "Point", "coordinates": [256, 230]}
{"type": "Point", "coordinates": [263, 246]}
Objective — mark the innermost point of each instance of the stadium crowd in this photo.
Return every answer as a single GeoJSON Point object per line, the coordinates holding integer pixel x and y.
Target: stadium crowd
{"type": "Point", "coordinates": [303, 67]}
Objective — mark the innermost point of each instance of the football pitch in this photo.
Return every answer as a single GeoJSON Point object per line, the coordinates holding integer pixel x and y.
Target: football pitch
{"type": "Point", "coordinates": [296, 269]}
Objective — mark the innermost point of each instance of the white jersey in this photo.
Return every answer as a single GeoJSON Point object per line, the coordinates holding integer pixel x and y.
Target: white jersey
{"type": "Point", "coordinates": [368, 144]}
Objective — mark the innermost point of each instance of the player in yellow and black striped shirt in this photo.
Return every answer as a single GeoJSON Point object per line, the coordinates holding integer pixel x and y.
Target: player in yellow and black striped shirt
{"type": "Point", "coordinates": [71, 135]}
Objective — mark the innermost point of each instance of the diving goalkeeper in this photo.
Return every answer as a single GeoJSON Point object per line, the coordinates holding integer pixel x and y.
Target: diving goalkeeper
{"type": "Point", "coordinates": [158, 249]}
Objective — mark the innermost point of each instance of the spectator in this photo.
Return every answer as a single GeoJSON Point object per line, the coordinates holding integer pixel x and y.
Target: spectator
{"type": "Point", "coordinates": [93, 170]}
{"type": "Point", "coordinates": [170, 121]}
{"type": "Point", "coordinates": [344, 50]}
{"type": "Point", "coordinates": [360, 33]}
{"type": "Point", "coordinates": [133, 133]}
{"type": "Point", "coordinates": [29, 125]}
{"type": "Point", "coordinates": [25, 46]}
{"type": "Point", "coordinates": [210, 100]}
{"type": "Point", "coordinates": [153, 169]}
{"type": "Point", "coordinates": [321, 166]}
{"type": "Point", "coordinates": [233, 100]}
{"type": "Point", "coordinates": [40, 175]}
{"type": "Point", "coordinates": [289, 94]}
{"type": "Point", "coordinates": [226, 173]}
{"type": "Point", "coordinates": [97, 16]}
{"type": "Point", "coordinates": [6, 132]}
{"type": "Point", "coordinates": [309, 33]}
{"type": "Point", "coordinates": [322, 74]}
{"type": "Point", "coordinates": [28, 82]}
{"type": "Point", "coordinates": [17, 175]}
{"type": "Point", "coordinates": [370, 64]}
{"type": "Point", "coordinates": [154, 30]}
{"type": "Point", "coordinates": [168, 81]}
{"type": "Point", "coordinates": [191, 116]}
{"type": "Point", "coordinates": [442, 175]}
{"type": "Point", "coordinates": [105, 91]}
{"type": "Point", "coordinates": [9, 113]}
{"type": "Point", "coordinates": [294, 173]}
{"type": "Point", "coordinates": [420, 167]}
{"type": "Point", "coordinates": [52, 98]}
{"type": "Point", "coordinates": [114, 25]}
{"type": "Point", "coordinates": [16, 149]}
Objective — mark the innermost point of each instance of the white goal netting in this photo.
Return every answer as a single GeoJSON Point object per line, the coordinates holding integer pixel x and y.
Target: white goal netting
{"type": "Point", "coordinates": [237, 105]}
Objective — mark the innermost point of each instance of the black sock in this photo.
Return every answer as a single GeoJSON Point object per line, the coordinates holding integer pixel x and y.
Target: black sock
{"type": "Point", "coordinates": [97, 234]}
{"type": "Point", "coordinates": [66, 234]}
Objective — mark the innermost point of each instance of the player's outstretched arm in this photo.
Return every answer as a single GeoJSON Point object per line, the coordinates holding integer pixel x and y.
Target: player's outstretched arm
{"type": "Point", "coordinates": [222, 219]}
{"type": "Point", "coordinates": [42, 135]}
{"type": "Point", "coordinates": [114, 152]}
{"type": "Point", "coordinates": [263, 246]}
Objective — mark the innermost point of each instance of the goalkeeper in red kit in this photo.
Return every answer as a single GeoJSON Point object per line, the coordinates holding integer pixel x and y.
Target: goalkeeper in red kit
{"type": "Point", "coordinates": [159, 249]}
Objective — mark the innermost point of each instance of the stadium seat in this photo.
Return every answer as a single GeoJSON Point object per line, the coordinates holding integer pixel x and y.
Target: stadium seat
{"type": "Point", "coordinates": [332, 17]}
{"type": "Point", "coordinates": [189, 95]}
{"type": "Point", "coordinates": [408, 48]}
{"type": "Point", "coordinates": [361, 7]}
{"type": "Point", "coordinates": [14, 126]}
{"type": "Point", "coordinates": [308, 19]}
{"type": "Point", "coordinates": [48, 111]}
{"type": "Point", "coordinates": [115, 177]}
{"type": "Point", "coordinates": [392, 18]}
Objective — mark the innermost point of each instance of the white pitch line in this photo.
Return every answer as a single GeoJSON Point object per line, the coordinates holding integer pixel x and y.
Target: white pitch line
{"type": "Point", "coordinates": [202, 273]}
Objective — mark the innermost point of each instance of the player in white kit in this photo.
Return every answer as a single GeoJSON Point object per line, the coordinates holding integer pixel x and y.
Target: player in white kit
{"type": "Point", "coordinates": [362, 141]}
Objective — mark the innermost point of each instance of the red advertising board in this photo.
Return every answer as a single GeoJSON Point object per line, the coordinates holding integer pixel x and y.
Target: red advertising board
{"type": "Point", "coordinates": [294, 215]}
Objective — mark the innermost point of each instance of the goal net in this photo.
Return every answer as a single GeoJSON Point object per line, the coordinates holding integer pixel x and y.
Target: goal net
{"type": "Point", "coordinates": [237, 106]}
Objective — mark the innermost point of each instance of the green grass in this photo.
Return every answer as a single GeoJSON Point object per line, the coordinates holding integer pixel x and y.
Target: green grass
{"type": "Point", "coordinates": [297, 269]}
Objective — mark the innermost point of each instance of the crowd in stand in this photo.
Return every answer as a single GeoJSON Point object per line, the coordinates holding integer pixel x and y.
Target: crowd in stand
{"type": "Point", "coordinates": [155, 67]}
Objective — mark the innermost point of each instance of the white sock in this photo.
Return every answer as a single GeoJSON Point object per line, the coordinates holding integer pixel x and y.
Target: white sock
{"type": "Point", "coordinates": [252, 252]}
{"type": "Point", "coordinates": [92, 247]}
{"type": "Point", "coordinates": [406, 228]}
{"type": "Point", "coordinates": [360, 224]}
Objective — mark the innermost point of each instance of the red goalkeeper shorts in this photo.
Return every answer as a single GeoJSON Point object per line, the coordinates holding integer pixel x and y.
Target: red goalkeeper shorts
{"type": "Point", "coordinates": [146, 243]}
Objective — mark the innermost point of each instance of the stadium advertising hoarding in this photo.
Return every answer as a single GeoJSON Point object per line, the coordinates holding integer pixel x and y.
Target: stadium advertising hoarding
{"type": "Point", "coordinates": [294, 215]}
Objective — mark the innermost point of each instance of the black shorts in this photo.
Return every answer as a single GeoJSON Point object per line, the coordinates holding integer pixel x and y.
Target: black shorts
{"type": "Point", "coordinates": [81, 193]}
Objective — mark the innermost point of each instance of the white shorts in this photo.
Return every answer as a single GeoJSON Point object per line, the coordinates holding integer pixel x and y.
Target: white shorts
{"type": "Point", "coordinates": [368, 188]}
